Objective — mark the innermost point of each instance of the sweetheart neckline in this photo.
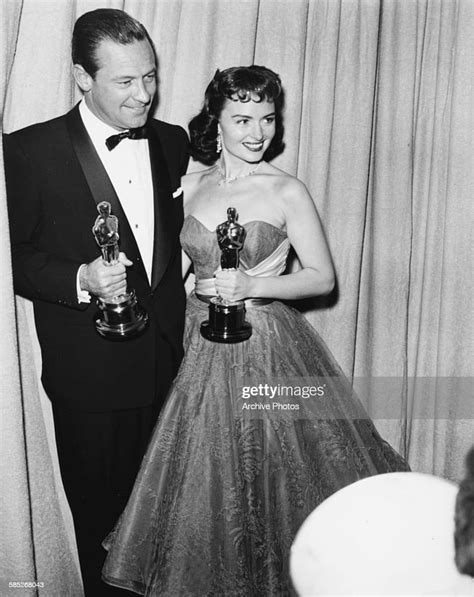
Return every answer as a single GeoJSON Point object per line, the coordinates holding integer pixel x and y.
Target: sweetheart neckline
{"type": "Point", "coordinates": [246, 224]}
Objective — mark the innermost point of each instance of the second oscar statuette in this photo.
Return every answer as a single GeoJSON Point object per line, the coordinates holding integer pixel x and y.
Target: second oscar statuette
{"type": "Point", "coordinates": [226, 322]}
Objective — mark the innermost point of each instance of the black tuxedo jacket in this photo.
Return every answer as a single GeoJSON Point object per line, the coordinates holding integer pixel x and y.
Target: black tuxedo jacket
{"type": "Point", "coordinates": [54, 181]}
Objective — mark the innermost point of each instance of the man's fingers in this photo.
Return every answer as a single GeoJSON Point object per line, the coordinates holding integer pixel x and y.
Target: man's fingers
{"type": "Point", "coordinates": [112, 290]}
{"type": "Point", "coordinates": [105, 280]}
{"type": "Point", "coordinates": [124, 259]}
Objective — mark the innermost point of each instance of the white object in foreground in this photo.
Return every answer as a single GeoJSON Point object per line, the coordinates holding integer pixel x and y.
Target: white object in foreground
{"type": "Point", "coordinates": [391, 534]}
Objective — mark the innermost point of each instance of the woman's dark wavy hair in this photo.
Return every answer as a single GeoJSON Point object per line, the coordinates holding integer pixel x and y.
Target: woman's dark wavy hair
{"type": "Point", "coordinates": [239, 83]}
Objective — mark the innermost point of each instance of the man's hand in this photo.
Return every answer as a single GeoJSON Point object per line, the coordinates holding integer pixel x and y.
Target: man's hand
{"type": "Point", "coordinates": [103, 280]}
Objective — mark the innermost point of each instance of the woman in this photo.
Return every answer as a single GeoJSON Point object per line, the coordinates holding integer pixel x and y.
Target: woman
{"type": "Point", "coordinates": [255, 434]}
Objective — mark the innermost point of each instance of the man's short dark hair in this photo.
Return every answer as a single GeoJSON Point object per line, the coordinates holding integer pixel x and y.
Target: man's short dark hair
{"type": "Point", "coordinates": [103, 24]}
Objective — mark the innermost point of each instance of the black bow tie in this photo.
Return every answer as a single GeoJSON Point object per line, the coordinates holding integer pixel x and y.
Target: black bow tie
{"type": "Point", "coordinates": [138, 133]}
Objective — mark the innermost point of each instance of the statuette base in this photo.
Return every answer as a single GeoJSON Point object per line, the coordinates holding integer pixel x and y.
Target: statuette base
{"type": "Point", "coordinates": [121, 319]}
{"type": "Point", "coordinates": [226, 323]}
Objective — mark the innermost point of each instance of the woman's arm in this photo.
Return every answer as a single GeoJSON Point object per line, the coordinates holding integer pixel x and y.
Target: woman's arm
{"type": "Point", "coordinates": [306, 236]}
{"type": "Point", "coordinates": [189, 183]}
{"type": "Point", "coordinates": [185, 265]}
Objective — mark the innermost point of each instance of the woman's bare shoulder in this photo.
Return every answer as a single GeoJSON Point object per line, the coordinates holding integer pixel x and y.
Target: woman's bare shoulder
{"type": "Point", "coordinates": [284, 185]}
{"type": "Point", "coordinates": [194, 180]}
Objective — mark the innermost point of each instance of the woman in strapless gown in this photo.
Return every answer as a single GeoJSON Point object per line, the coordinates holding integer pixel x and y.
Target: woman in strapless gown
{"type": "Point", "coordinates": [254, 435]}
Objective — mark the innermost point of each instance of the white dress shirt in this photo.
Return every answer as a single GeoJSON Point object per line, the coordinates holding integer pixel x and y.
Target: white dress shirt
{"type": "Point", "coordinates": [129, 169]}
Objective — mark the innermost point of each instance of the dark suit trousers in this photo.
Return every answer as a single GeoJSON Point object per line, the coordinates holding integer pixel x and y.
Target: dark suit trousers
{"type": "Point", "coordinates": [99, 456]}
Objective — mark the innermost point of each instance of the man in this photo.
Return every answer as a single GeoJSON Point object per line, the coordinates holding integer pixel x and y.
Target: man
{"type": "Point", "coordinates": [105, 394]}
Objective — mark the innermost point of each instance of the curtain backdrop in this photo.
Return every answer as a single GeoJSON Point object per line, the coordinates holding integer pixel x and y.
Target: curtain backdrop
{"type": "Point", "coordinates": [378, 124]}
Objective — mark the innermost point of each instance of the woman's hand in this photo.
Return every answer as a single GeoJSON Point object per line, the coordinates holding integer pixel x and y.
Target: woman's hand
{"type": "Point", "coordinates": [233, 285]}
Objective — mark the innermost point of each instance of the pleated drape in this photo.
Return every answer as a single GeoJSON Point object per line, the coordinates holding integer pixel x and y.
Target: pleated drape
{"type": "Point", "coordinates": [37, 548]}
{"type": "Point", "coordinates": [378, 124]}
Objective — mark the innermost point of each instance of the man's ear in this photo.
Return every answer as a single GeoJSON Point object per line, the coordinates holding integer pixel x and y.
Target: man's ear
{"type": "Point", "coordinates": [82, 78]}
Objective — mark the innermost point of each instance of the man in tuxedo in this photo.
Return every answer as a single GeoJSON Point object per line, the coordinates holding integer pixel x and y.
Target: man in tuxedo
{"type": "Point", "coordinates": [105, 394]}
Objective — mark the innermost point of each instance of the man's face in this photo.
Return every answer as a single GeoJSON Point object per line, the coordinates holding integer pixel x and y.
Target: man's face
{"type": "Point", "coordinates": [124, 86]}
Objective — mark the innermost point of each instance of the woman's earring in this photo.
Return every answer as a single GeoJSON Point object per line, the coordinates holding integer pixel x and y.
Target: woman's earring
{"type": "Point", "coordinates": [219, 143]}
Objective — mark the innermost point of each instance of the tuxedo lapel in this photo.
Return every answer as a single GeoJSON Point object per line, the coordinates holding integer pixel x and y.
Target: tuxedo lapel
{"type": "Point", "coordinates": [163, 212]}
{"type": "Point", "coordinates": [100, 186]}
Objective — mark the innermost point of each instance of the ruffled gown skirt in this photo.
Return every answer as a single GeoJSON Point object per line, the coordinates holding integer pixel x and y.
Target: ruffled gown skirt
{"type": "Point", "coordinates": [226, 483]}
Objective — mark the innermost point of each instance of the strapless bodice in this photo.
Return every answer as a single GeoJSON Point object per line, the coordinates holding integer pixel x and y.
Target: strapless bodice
{"type": "Point", "coordinates": [265, 245]}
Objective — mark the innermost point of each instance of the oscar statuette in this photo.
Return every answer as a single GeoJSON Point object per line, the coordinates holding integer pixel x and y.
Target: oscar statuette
{"type": "Point", "coordinates": [121, 317]}
{"type": "Point", "coordinates": [226, 322]}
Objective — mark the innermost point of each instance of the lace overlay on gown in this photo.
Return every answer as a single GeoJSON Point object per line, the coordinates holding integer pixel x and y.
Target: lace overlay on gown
{"type": "Point", "coordinates": [221, 493]}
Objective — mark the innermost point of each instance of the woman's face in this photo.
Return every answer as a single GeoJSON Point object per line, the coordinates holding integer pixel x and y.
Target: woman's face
{"type": "Point", "coordinates": [247, 128]}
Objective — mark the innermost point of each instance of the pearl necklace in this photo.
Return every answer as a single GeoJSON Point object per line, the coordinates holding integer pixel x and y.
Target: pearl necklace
{"type": "Point", "coordinates": [227, 179]}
